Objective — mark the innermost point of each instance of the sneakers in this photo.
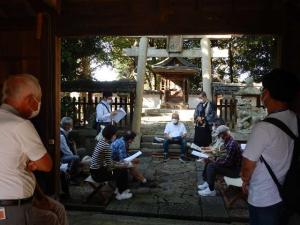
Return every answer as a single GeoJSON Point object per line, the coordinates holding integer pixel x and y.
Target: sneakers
{"type": "Point", "coordinates": [203, 186]}
{"type": "Point", "coordinates": [166, 158]}
{"type": "Point", "coordinates": [183, 159]}
{"type": "Point", "coordinates": [207, 192]}
{"type": "Point", "coordinates": [117, 191]}
{"type": "Point", "coordinates": [124, 195]}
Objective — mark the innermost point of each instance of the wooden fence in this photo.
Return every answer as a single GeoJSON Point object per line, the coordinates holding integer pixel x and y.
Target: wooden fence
{"type": "Point", "coordinates": [83, 110]}
{"type": "Point", "coordinates": [227, 110]}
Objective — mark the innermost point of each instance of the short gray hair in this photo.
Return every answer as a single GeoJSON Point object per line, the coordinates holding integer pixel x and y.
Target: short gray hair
{"type": "Point", "coordinates": [66, 120]}
{"type": "Point", "coordinates": [175, 114]}
{"type": "Point", "coordinates": [19, 86]}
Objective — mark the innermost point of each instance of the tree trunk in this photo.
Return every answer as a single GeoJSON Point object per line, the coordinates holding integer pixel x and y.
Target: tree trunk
{"type": "Point", "coordinates": [85, 68]}
{"type": "Point", "coordinates": [230, 62]}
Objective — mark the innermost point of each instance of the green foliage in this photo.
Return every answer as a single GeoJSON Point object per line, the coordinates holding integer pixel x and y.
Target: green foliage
{"type": "Point", "coordinates": [253, 55]}
{"type": "Point", "coordinates": [67, 107]}
{"type": "Point", "coordinates": [78, 54]}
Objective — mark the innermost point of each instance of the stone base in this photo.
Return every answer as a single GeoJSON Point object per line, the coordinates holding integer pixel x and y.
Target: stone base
{"type": "Point", "coordinates": [170, 105]}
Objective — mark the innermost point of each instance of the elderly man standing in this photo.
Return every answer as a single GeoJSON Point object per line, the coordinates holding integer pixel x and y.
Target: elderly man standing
{"type": "Point", "coordinates": [228, 164]}
{"type": "Point", "coordinates": [22, 150]}
{"type": "Point", "coordinates": [175, 133]}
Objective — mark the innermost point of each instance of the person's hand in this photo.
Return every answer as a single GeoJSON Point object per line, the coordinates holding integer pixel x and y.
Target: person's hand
{"type": "Point", "coordinates": [42, 203]}
{"type": "Point", "coordinates": [31, 166]}
{"type": "Point", "coordinates": [245, 187]}
{"type": "Point", "coordinates": [113, 113]}
{"type": "Point", "coordinates": [129, 164]}
{"type": "Point", "coordinates": [199, 119]}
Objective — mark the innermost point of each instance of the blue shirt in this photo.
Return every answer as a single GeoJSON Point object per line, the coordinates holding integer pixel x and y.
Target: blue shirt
{"type": "Point", "coordinates": [119, 151]}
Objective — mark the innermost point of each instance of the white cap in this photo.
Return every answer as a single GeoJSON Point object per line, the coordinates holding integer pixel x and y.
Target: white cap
{"type": "Point", "coordinates": [221, 129]}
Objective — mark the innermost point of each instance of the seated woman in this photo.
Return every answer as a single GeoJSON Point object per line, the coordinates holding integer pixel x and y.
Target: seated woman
{"type": "Point", "coordinates": [228, 164]}
{"type": "Point", "coordinates": [120, 149]}
{"type": "Point", "coordinates": [103, 168]}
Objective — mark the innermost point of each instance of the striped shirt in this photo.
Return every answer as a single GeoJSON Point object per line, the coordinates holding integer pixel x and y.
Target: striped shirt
{"type": "Point", "coordinates": [102, 156]}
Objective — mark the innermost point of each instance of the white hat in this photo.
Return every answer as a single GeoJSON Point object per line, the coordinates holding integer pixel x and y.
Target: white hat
{"type": "Point", "coordinates": [221, 129]}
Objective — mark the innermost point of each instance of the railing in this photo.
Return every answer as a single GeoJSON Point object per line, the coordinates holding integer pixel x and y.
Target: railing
{"type": "Point", "coordinates": [227, 111]}
{"type": "Point", "coordinates": [83, 110]}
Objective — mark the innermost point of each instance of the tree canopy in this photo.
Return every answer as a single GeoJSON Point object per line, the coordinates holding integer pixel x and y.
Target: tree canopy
{"type": "Point", "coordinates": [249, 55]}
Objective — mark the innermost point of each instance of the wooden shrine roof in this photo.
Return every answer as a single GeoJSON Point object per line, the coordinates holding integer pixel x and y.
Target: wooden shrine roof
{"type": "Point", "coordinates": [84, 85]}
{"type": "Point", "coordinates": [175, 66]}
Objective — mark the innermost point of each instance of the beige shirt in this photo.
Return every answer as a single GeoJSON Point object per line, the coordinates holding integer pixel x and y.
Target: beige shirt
{"type": "Point", "coordinates": [19, 143]}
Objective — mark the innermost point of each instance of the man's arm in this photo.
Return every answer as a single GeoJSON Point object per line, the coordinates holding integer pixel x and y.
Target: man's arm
{"type": "Point", "coordinates": [166, 132]}
{"type": "Point", "coordinates": [184, 132]}
{"type": "Point", "coordinates": [64, 146]}
{"type": "Point", "coordinates": [248, 167]}
{"type": "Point", "coordinates": [43, 164]}
{"type": "Point", "coordinates": [167, 136]}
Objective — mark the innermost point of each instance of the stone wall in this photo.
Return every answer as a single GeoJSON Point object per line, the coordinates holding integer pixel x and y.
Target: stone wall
{"type": "Point", "coordinates": [152, 101]}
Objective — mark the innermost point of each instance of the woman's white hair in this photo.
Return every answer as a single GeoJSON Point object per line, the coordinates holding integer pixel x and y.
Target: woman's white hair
{"type": "Point", "coordinates": [20, 86]}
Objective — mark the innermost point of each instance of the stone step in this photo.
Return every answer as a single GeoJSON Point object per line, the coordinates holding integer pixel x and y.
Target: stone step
{"type": "Point", "coordinates": [158, 145]}
{"type": "Point", "coordinates": [151, 151]}
{"type": "Point", "coordinates": [150, 138]}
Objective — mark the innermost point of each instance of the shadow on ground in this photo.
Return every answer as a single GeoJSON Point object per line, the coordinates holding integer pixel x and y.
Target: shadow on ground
{"type": "Point", "coordinates": [175, 196]}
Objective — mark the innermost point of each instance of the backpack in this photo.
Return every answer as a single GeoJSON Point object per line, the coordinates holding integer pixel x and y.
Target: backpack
{"type": "Point", "coordinates": [289, 190]}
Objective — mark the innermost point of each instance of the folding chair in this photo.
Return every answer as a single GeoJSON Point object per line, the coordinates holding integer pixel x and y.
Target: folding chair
{"type": "Point", "coordinates": [233, 182]}
{"type": "Point", "coordinates": [96, 188]}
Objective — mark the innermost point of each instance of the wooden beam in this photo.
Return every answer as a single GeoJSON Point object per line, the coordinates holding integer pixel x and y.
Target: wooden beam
{"type": "Point", "coordinates": [163, 53]}
{"type": "Point", "coordinates": [54, 4]}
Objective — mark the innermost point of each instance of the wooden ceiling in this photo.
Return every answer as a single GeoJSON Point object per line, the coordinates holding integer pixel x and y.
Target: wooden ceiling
{"type": "Point", "coordinates": [155, 17]}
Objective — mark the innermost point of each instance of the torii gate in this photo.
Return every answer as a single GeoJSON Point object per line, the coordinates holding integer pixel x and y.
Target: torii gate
{"type": "Point", "coordinates": [174, 50]}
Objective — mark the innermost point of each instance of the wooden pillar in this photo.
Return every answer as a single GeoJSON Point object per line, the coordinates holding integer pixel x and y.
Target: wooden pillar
{"type": "Point", "coordinates": [290, 47]}
{"type": "Point", "coordinates": [206, 66]}
{"type": "Point", "coordinates": [141, 70]}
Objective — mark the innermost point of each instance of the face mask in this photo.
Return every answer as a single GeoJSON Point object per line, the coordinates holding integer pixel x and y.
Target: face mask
{"type": "Point", "coordinates": [174, 121]}
{"type": "Point", "coordinates": [35, 113]}
{"type": "Point", "coordinates": [109, 101]}
{"type": "Point", "coordinates": [201, 101]}
{"type": "Point", "coordinates": [69, 131]}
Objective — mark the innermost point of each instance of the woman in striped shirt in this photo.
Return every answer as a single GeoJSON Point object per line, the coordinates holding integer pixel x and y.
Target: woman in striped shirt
{"type": "Point", "coordinates": [103, 168]}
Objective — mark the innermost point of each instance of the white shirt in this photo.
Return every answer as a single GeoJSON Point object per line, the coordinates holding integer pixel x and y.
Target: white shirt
{"type": "Point", "coordinates": [175, 130]}
{"type": "Point", "coordinates": [103, 113]}
{"type": "Point", "coordinates": [276, 147]}
{"type": "Point", "coordinates": [19, 142]}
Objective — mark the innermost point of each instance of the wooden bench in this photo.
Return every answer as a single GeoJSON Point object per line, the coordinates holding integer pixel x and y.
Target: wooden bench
{"type": "Point", "coordinates": [97, 188]}
{"type": "Point", "coordinates": [236, 183]}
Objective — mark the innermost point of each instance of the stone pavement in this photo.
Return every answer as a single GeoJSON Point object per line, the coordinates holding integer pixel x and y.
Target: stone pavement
{"type": "Point", "coordinates": [175, 197]}
{"type": "Point", "coordinates": [96, 218]}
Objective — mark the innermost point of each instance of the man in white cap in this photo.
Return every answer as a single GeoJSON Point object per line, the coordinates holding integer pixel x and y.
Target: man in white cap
{"type": "Point", "coordinates": [228, 164]}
